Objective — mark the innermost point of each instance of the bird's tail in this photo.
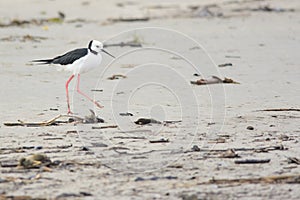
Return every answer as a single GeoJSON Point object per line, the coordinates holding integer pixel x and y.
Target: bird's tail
{"type": "Point", "coordinates": [43, 61]}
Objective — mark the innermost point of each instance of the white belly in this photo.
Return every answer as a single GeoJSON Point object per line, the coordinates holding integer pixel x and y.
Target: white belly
{"type": "Point", "coordinates": [85, 64]}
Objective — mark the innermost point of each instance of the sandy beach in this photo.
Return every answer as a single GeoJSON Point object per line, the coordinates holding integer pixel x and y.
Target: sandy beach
{"type": "Point", "coordinates": [235, 139]}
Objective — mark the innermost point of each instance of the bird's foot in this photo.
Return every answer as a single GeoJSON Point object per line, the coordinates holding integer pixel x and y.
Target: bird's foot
{"type": "Point", "coordinates": [98, 105]}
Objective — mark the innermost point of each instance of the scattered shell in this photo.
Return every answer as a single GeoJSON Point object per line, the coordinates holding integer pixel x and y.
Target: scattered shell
{"type": "Point", "coordinates": [230, 153]}
{"type": "Point", "coordinates": [34, 161]}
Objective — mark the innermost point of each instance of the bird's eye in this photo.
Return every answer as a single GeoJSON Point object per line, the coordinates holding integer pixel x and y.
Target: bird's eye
{"type": "Point", "coordinates": [97, 46]}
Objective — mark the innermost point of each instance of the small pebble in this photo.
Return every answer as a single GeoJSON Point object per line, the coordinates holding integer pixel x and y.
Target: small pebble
{"type": "Point", "coordinates": [84, 148]}
{"type": "Point", "coordinates": [195, 148]}
{"type": "Point", "coordinates": [126, 114]}
{"type": "Point", "coordinates": [250, 128]}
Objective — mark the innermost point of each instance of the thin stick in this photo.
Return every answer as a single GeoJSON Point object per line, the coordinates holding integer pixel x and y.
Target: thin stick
{"type": "Point", "coordinates": [103, 127]}
{"type": "Point", "coordinates": [281, 109]}
{"type": "Point", "coordinates": [34, 124]}
{"type": "Point", "coordinates": [266, 179]}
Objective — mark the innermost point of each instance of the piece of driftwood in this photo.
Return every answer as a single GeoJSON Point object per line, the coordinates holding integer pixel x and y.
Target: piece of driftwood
{"type": "Point", "coordinates": [130, 137]}
{"type": "Point", "coordinates": [129, 19]}
{"type": "Point", "coordinates": [90, 119]}
{"type": "Point", "coordinates": [162, 140]}
{"type": "Point", "coordinates": [9, 164]}
{"type": "Point", "coordinates": [104, 127]}
{"type": "Point", "coordinates": [259, 149]}
{"type": "Point", "coordinates": [291, 179]}
{"type": "Point", "coordinates": [19, 22]}
{"type": "Point", "coordinates": [172, 121]}
{"type": "Point", "coordinates": [213, 80]}
{"type": "Point", "coordinates": [280, 109]}
{"type": "Point", "coordinates": [252, 161]}
{"type": "Point", "coordinates": [50, 122]}
{"type": "Point", "coordinates": [294, 160]}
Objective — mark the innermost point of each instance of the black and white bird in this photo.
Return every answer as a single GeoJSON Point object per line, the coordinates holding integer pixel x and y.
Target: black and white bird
{"type": "Point", "coordinates": [79, 61]}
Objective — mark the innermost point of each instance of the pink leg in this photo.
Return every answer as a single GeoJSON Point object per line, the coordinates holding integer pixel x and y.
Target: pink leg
{"type": "Point", "coordinates": [67, 90]}
{"type": "Point", "coordinates": [86, 96]}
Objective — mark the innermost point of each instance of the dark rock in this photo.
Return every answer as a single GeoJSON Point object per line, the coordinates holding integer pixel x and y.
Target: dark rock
{"type": "Point", "coordinates": [195, 148]}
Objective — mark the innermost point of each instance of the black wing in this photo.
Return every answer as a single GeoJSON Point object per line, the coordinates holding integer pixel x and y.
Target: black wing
{"type": "Point", "coordinates": [67, 58]}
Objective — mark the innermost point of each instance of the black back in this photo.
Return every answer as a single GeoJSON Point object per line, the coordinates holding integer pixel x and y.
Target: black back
{"type": "Point", "coordinates": [65, 59]}
{"type": "Point", "coordinates": [70, 57]}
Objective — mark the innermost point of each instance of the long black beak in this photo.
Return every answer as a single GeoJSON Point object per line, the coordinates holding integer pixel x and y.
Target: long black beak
{"type": "Point", "coordinates": [108, 53]}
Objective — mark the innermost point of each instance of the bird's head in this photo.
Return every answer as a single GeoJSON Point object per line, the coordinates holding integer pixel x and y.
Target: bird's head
{"type": "Point", "coordinates": [96, 47]}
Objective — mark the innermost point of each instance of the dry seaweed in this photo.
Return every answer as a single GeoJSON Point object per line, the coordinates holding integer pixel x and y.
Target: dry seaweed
{"type": "Point", "coordinates": [18, 22]}
{"type": "Point", "coordinates": [24, 38]}
{"type": "Point", "coordinates": [130, 137]}
{"type": "Point", "coordinates": [50, 122]}
{"type": "Point", "coordinates": [162, 140]}
{"type": "Point", "coordinates": [213, 80]}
